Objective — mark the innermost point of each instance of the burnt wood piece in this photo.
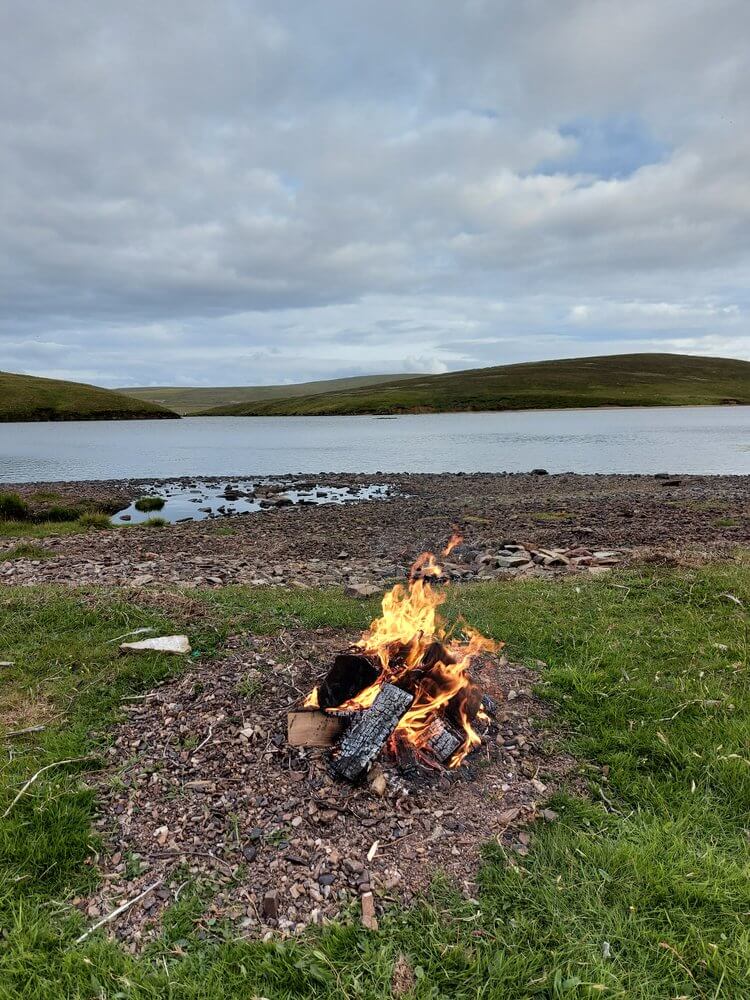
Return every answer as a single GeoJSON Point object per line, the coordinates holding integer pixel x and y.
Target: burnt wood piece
{"type": "Point", "coordinates": [443, 741]}
{"type": "Point", "coordinates": [350, 674]}
{"type": "Point", "coordinates": [489, 705]}
{"type": "Point", "coordinates": [310, 728]}
{"type": "Point", "coordinates": [367, 735]}
{"type": "Point", "coordinates": [464, 704]}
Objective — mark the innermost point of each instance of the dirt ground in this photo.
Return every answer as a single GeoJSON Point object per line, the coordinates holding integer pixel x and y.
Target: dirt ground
{"type": "Point", "coordinates": [202, 790]}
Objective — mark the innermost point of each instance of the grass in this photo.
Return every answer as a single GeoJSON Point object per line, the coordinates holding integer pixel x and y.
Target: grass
{"type": "Point", "coordinates": [13, 507]}
{"type": "Point", "coordinates": [149, 503]}
{"type": "Point", "coordinates": [188, 400]}
{"type": "Point", "coordinates": [551, 516]}
{"type": "Point", "coordinates": [26, 551]}
{"type": "Point", "coordinates": [640, 892]}
{"type": "Point", "coordinates": [152, 522]}
{"type": "Point", "coordinates": [25, 397]}
{"type": "Point", "coordinates": [617, 380]}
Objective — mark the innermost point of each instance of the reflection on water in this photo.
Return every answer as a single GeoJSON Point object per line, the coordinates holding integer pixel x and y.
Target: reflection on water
{"type": "Point", "coordinates": [685, 439]}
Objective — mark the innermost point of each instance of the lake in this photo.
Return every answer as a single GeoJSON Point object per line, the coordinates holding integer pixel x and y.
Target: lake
{"type": "Point", "coordinates": [675, 439]}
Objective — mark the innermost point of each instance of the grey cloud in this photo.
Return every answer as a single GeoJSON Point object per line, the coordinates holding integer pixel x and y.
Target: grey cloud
{"type": "Point", "coordinates": [268, 191]}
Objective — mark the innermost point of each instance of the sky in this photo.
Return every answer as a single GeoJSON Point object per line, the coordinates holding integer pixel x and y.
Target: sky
{"type": "Point", "coordinates": [248, 192]}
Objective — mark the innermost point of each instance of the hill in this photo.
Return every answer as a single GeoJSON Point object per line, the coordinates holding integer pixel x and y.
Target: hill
{"type": "Point", "coordinates": [26, 397]}
{"type": "Point", "coordinates": [187, 401]}
{"type": "Point", "coordinates": [615, 380]}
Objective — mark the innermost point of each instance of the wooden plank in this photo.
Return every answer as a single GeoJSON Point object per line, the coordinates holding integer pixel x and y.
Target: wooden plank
{"type": "Point", "coordinates": [310, 728]}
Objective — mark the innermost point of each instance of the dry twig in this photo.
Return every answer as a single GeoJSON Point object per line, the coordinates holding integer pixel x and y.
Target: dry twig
{"type": "Point", "coordinates": [32, 779]}
{"type": "Point", "coordinates": [118, 911]}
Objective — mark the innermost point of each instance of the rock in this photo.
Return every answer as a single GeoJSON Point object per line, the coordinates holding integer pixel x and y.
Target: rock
{"type": "Point", "coordinates": [512, 561]}
{"type": "Point", "coordinates": [271, 904]}
{"type": "Point", "coordinates": [177, 644]}
{"type": "Point", "coordinates": [539, 472]}
{"type": "Point", "coordinates": [6, 663]}
{"type": "Point", "coordinates": [362, 590]}
{"type": "Point", "coordinates": [369, 920]}
{"type": "Point", "coordinates": [142, 580]}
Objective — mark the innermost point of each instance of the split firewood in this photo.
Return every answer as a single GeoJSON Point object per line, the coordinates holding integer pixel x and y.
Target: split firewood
{"type": "Point", "coordinates": [350, 674]}
{"type": "Point", "coordinates": [369, 733]}
{"type": "Point", "coordinates": [311, 728]}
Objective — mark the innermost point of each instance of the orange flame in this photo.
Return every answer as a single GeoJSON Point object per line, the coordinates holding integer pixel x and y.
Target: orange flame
{"type": "Point", "coordinates": [415, 651]}
{"type": "Point", "coordinates": [455, 540]}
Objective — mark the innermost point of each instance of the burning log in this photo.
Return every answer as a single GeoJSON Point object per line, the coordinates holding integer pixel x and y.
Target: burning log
{"type": "Point", "coordinates": [369, 733]}
{"type": "Point", "coordinates": [310, 728]}
{"type": "Point", "coordinates": [350, 674]}
{"type": "Point", "coordinates": [443, 740]}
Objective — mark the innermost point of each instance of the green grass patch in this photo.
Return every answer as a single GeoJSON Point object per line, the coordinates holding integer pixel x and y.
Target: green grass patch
{"type": "Point", "coordinates": [550, 515]}
{"type": "Point", "coordinates": [26, 551]}
{"type": "Point", "coordinates": [153, 522]}
{"type": "Point", "coordinates": [26, 397]}
{"type": "Point", "coordinates": [92, 519]}
{"type": "Point", "coordinates": [639, 893]}
{"type": "Point", "coordinates": [12, 507]}
{"type": "Point", "coordinates": [727, 522]}
{"type": "Point", "coordinates": [146, 504]}
{"type": "Point", "coordinates": [615, 380]}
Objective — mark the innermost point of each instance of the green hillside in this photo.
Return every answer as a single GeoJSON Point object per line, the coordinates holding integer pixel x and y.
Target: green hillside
{"type": "Point", "coordinates": [25, 397]}
{"type": "Point", "coordinates": [191, 400]}
{"type": "Point", "coordinates": [616, 380]}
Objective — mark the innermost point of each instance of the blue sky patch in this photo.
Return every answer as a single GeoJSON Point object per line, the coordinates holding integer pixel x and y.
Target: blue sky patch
{"type": "Point", "coordinates": [609, 148]}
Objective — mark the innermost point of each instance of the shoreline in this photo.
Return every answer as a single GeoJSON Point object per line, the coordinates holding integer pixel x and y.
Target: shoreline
{"type": "Point", "coordinates": [663, 518]}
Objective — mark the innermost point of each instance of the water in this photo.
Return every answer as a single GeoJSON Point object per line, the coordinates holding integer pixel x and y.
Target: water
{"type": "Point", "coordinates": [681, 439]}
{"type": "Point", "coordinates": [201, 500]}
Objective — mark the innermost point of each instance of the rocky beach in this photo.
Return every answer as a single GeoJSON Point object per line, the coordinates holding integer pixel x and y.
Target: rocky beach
{"type": "Point", "coordinates": [512, 524]}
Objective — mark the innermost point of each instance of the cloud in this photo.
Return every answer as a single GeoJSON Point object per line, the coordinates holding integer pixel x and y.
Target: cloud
{"type": "Point", "coordinates": [263, 192]}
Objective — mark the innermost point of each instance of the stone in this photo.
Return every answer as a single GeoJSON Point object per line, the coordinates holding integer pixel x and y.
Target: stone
{"type": "Point", "coordinates": [369, 920]}
{"type": "Point", "coordinates": [271, 904]}
{"type": "Point", "coordinates": [362, 590]}
{"type": "Point", "coordinates": [512, 561]}
{"type": "Point", "coordinates": [175, 644]}
{"type": "Point", "coordinates": [539, 472]}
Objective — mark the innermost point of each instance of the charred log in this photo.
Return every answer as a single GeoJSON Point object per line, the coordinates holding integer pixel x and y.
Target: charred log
{"type": "Point", "coordinates": [465, 704]}
{"type": "Point", "coordinates": [443, 741]}
{"type": "Point", "coordinates": [368, 734]}
{"type": "Point", "coordinates": [350, 674]}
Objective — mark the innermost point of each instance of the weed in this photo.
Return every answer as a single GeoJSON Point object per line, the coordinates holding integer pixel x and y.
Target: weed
{"type": "Point", "coordinates": [146, 504]}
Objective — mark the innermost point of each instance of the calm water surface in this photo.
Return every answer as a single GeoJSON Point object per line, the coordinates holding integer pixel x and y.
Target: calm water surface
{"type": "Point", "coordinates": [681, 439]}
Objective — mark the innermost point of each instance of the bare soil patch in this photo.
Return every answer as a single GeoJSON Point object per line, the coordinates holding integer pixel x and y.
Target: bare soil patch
{"type": "Point", "coordinates": [202, 789]}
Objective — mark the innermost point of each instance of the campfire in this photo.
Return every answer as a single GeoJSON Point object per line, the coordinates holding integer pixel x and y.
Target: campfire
{"type": "Point", "coordinates": [405, 690]}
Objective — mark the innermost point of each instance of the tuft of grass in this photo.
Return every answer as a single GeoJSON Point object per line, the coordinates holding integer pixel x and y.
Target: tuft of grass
{"type": "Point", "coordinates": [93, 520]}
{"type": "Point", "coordinates": [61, 512]}
{"type": "Point", "coordinates": [639, 891]}
{"type": "Point", "coordinates": [726, 522]}
{"type": "Point", "coordinates": [153, 522]}
{"type": "Point", "coordinates": [550, 515]}
{"type": "Point", "coordinates": [26, 551]}
{"type": "Point", "coordinates": [145, 504]}
{"type": "Point", "coordinates": [12, 507]}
